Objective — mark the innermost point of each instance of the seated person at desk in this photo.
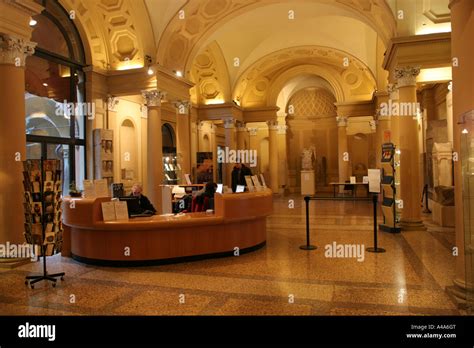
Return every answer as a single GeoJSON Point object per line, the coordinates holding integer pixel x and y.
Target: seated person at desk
{"type": "Point", "coordinates": [200, 199]}
{"type": "Point", "coordinates": [143, 201]}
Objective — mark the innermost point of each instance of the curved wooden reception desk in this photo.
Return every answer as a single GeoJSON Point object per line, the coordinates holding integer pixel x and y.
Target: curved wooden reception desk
{"type": "Point", "coordinates": [239, 221]}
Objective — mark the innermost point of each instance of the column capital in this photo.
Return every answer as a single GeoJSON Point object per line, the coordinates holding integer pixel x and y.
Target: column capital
{"type": "Point", "coordinates": [14, 50]}
{"type": "Point", "coordinates": [373, 125]}
{"type": "Point", "coordinates": [272, 125]}
{"type": "Point", "coordinates": [406, 75]}
{"type": "Point", "coordinates": [112, 102]}
{"type": "Point", "coordinates": [342, 121]}
{"type": "Point", "coordinates": [392, 89]}
{"type": "Point", "coordinates": [182, 106]}
{"type": "Point", "coordinates": [253, 131]}
{"type": "Point", "coordinates": [229, 123]}
{"type": "Point", "coordinates": [282, 129]}
{"type": "Point", "coordinates": [153, 97]}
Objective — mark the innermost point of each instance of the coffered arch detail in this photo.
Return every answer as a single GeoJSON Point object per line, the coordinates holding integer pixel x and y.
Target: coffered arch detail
{"type": "Point", "coordinates": [209, 73]}
{"type": "Point", "coordinates": [261, 83]}
{"type": "Point", "coordinates": [118, 32]}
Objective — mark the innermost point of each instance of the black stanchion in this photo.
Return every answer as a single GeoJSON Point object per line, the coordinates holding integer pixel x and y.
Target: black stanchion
{"type": "Point", "coordinates": [375, 249]}
{"type": "Point", "coordinates": [308, 246]}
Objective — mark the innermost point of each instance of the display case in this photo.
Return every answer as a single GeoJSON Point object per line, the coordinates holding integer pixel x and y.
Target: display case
{"type": "Point", "coordinates": [389, 189]}
{"type": "Point", "coordinates": [171, 169]}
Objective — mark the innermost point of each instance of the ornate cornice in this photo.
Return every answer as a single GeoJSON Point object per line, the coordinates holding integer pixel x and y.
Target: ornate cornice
{"type": "Point", "coordinates": [14, 50]}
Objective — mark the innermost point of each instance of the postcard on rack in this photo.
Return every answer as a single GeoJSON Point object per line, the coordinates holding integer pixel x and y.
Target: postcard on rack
{"type": "Point", "coordinates": [58, 186]}
{"type": "Point", "coordinates": [28, 199]}
{"type": "Point", "coordinates": [36, 185]}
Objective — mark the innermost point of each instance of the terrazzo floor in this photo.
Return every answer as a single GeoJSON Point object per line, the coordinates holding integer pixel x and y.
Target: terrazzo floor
{"type": "Point", "coordinates": [280, 279]}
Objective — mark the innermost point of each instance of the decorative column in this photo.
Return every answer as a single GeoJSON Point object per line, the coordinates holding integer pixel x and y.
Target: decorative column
{"type": "Point", "coordinates": [241, 134]}
{"type": "Point", "coordinates": [462, 22]}
{"type": "Point", "coordinates": [383, 126]}
{"type": "Point", "coordinates": [393, 96]}
{"type": "Point", "coordinates": [231, 144]}
{"type": "Point", "coordinates": [213, 144]}
{"type": "Point", "coordinates": [253, 146]}
{"type": "Point", "coordinates": [282, 156]}
{"type": "Point", "coordinates": [273, 154]}
{"type": "Point", "coordinates": [410, 173]}
{"type": "Point", "coordinates": [183, 135]}
{"type": "Point", "coordinates": [13, 52]}
{"type": "Point", "coordinates": [154, 173]}
{"type": "Point", "coordinates": [194, 140]}
{"type": "Point", "coordinates": [112, 103]}
{"type": "Point", "coordinates": [342, 150]}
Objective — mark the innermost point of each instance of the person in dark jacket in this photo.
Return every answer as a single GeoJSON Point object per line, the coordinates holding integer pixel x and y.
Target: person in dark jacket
{"type": "Point", "coordinates": [143, 200]}
{"type": "Point", "coordinates": [239, 173]}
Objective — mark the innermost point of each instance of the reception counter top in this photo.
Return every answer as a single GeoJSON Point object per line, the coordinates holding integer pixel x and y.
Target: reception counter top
{"type": "Point", "coordinates": [237, 225]}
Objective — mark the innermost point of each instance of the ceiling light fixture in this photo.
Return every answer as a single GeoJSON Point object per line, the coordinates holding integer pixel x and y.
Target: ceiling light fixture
{"type": "Point", "coordinates": [33, 22]}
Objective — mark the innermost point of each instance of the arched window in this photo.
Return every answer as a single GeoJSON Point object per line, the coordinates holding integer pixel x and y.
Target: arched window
{"type": "Point", "coordinates": [55, 93]}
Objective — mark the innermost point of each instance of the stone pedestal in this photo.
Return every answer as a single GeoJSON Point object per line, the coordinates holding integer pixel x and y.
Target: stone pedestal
{"type": "Point", "coordinates": [442, 215]}
{"type": "Point", "coordinates": [308, 186]}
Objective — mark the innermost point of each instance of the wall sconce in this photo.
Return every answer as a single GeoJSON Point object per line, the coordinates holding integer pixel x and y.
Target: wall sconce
{"type": "Point", "coordinates": [149, 63]}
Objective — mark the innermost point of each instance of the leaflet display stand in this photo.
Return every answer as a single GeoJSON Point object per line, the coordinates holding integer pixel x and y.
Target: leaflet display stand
{"type": "Point", "coordinates": [389, 190]}
{"type": "Point", "coordinates": [42, 205]}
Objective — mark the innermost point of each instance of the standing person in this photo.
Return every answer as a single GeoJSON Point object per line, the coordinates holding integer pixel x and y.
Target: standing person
{"type": "Point", "coordinates": [239, 173]}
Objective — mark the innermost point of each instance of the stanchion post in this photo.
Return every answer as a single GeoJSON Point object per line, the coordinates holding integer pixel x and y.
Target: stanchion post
{"type": "Point", "coordinates": [308, 246]}
{"type": "Point", "coordinates": [375, 249]}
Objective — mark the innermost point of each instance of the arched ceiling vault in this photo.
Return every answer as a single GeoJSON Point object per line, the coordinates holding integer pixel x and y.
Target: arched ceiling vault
{"type": "Point", "coordinates": [118, 33]}
{"type": "Point", "coordinates": [184, 37]}
{"type": "Point", "coordinates": [261, 84]}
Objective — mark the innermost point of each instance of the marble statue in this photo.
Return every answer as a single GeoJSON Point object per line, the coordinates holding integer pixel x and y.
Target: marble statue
{"type": "Point", "coordinates": [308, 157]}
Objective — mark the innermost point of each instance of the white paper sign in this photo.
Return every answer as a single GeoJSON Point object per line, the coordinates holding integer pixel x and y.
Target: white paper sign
{"type": "Point", "coordinates": [108, 211]}
{"type": "Point", "coordinates": [374, 180]}
{"type": "Point", "coordinates": [121, 210]}
{"type": "Point", "coordinates": [89, 189]}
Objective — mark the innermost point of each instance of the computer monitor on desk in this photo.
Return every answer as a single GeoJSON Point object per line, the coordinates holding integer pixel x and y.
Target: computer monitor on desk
{"type": "Point", "coordinates": [240, 189]}
{"type": "Point", "coordinates": [133, 207]}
